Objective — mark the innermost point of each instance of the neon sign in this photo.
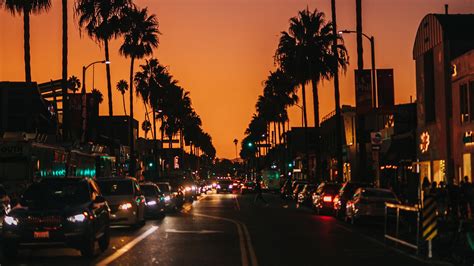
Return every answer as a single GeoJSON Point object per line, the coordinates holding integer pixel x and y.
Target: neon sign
{"type": "Point", "coordinates": [424, 141]}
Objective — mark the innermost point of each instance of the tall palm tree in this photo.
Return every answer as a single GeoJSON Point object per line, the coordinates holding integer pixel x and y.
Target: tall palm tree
{"type": "Point", "coordinates": [97, 95]}
{"type": "Point", "coordinates": [73, 84]}
{"type": "Point", "coordinates": [122, 86]}
{"type": "Point", "coordinates": [26, 8]}
{"type": "Point", "coordinates": [305, 53]}
{"type": "Point", "coordinates": [102, 21]}
{"type": "Point", "coordinates": [140, 37]}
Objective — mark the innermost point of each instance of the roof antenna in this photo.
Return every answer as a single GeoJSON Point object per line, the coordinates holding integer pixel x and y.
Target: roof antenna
{"type": "Point", "coordinates": [446, 6]}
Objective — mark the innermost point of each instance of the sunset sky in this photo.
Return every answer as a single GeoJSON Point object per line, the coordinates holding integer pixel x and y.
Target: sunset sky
{"type": "Point", "coordinates": [222, 50]}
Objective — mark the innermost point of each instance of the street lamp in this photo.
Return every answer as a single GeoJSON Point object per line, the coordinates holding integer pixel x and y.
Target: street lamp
{"type": "Point", "coordinates": [84, 98]}
{"type": "Point", "coordinates": [372, 49]}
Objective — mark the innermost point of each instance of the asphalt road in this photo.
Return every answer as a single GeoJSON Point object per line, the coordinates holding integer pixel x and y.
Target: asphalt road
{"type": "Point", "coordinates": [229, 229]}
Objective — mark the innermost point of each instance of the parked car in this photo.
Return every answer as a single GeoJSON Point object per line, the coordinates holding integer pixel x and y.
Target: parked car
{"type": "Point", "coordinates": [297, 188]}
{"type": "Point", "coordinates": [304, 197]}
{"type": "Point", "coordinates": [323, 197]}
{"type": "Point", "coordinates": [170, 196]}
{"type": "Point", "coordinates": [345, 194]}
{"type": "Point", "coordinates": [247, 187]}
{"type": "Point", "coordinates": [369, 203]}
{"type": "Point", "coordinates": [126, 200]}
{"type": "Point", "coordinates": [224, 186]}
{"type": "Point", "coordinates": [69, 212]}
{"type": "Point", "coordinates": [4, 204]}
{"type": "Point", "coordinates": [155, 200]}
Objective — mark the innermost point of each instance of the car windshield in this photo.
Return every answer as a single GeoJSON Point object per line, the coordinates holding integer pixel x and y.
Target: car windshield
{"type": "Point", "coordinates": [148, 190]}
{"type": "Point", "coordinates": [116, 187]}
{"type": "Point", "coordinates": [56, 194]}
{"type": "Point", "coordinates": [378, 194]}
{"type": "Point", "coordinates": [164, 187]}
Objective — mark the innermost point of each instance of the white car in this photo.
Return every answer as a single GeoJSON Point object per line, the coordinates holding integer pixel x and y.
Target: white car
{"type": "Point", "coordinates": [125, 199]}
{"type": "Point", "coordinates": [369, 203]}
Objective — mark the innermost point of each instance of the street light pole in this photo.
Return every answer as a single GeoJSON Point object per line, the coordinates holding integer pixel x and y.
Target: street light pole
{"type": "Point", "coordinates": [84, 97]}
{"type": "Point", "coordinates": [302, 115]}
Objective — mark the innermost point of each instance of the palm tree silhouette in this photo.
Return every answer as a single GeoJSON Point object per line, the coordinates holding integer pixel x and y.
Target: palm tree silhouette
{"type": "Point", "coordinates": [26, 8]}
{"type": "Point", "coordinates": [304, 52]}
{"type": "Point", "coordinates": [73, 84]}
{"type": "Point", "coordinates": [122, 86]}
{"type": "Point", "coordinates": [97, 95]}
{"type": "Point", "coordinates": [140, 37]}
{"type": "Point", "coordinates": [102, 21]}
{"type": "Point", "coordinates": [146, 126]}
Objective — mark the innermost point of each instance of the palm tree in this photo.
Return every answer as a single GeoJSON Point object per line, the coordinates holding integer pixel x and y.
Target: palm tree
{"type": "Point", "coordinates": [304, 52]}
{"type": "Point", "coordinates": [141, 36]}
{"type": "Point", "coordinates": [146, 126]}
{"type": "Point", "coordinates": [73, 84]}
{"type": "Point", "coordinates": [97, 95]}
{"type": "Point", "coordinates": [102, 21]}
{"type": "Point", "coordinates": [26, 8]}
{"type": "Point", "coordinates": [122, 86]}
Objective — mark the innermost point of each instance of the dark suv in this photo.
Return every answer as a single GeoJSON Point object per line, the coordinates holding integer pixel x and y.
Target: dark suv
{"type": "Point", "coordinates": [68, 212]}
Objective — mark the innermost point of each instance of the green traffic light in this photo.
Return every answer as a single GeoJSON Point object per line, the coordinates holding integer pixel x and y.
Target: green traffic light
{"type": "Point", "coordinates": [290, 165]}
{"type": "Point", "coordinates": [250, 144]}
{"type": "Point", "coordinates": [150, 164]}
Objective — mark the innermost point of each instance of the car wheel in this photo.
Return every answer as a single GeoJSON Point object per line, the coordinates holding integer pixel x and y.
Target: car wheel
{"type": "Point", "coordinates": [88, 247]}
{"type": "Point", "coordinates": [10, 250]}
{"type": "Point", "coordinates": [104, 240]}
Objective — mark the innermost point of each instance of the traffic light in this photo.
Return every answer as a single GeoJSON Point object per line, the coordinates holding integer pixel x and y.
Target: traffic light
{"type": "Point", "coordinates": [250, 144]}
{"type": "Point", "coordinates": [290, 165]}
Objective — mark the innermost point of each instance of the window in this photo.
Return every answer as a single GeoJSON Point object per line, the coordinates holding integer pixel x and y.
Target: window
{"type": "Point", "coordinates": [466, 102]}
{"type": "Point", "coordinates": [429, 89]}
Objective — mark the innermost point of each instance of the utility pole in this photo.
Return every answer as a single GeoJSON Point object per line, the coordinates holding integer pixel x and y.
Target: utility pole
{"type": "Point", "coordinates": [336, 94]}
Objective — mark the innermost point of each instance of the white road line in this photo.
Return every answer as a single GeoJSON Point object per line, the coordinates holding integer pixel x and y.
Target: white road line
{"type": "Point", "coordinates": [373, 240]}
{"type": "Point", "coordinates": [237, 202]}
{"type": "Point", "coordinates": [127, 247]}
{"type": "Point", "coordinates": [253, 257]}
{"type": "Point", "coordinates": [192, 232]}
{"type": "Point", "coordinates": [243, 251]}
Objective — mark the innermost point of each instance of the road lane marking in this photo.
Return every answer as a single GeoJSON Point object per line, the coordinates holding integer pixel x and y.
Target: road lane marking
{"type": "Point", "coordinates": [243, 250]}
{"type": "Point", "coordinates": [237, 202]}
{"type": "Point", "coordinates": [192, 232]}
{"type": "Point", "coordinates": [253, 257]}
{"type": "Point", "coordinates": [127, 247]}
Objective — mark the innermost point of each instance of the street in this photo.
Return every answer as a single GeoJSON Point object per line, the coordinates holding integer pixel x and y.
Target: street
{"type": "Point", "coordinates": [229, 229]}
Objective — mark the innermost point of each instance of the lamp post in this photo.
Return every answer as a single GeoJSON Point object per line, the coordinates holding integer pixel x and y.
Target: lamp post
{"type": "Point", "coordinates": [84, 97]}
{"type": "Point", "coordinates": [372, 51]}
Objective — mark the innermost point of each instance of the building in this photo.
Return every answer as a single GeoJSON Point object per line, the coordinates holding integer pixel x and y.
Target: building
{"type": "Point", "coordinates": [463, 114]}
{"type": "Point", "coordinates": [440, 40]}
{"type": "Point", "coordinates": [329, 147]}
{"type": "Point", "coordinates": [300, 142]}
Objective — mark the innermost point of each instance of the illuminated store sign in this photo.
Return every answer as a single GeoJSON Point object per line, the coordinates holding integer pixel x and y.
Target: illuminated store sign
{"type": "Point", "coordinates": [424, 142]}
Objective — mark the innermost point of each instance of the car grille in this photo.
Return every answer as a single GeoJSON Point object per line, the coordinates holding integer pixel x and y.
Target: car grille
{"type": "Point", "coordinates": [46, 221]}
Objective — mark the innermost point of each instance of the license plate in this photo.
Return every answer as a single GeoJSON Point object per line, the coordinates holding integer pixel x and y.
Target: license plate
{"type": "Point", "coordinates": [41, 234]}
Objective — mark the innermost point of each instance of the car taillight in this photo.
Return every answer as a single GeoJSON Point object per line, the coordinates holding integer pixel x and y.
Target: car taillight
{"type": "Point", "coordinates": [327, 198]}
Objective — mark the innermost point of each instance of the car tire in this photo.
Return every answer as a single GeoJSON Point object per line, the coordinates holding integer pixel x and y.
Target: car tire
{"type": "Point", "coordinates": [88, 247]}
{"type": "Point", "coordinates": [10, 251]}
{"type": "Point", "coordinates": [104, 240]}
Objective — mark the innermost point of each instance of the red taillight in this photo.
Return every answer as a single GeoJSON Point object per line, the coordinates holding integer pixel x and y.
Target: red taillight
{"type": "Point", "coordinates": [327, 198]}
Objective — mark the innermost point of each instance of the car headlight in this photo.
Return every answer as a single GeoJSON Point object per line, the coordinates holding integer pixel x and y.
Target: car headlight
{"type": "Point", "coordinates": [151, 203]}
{"type": "Point", "coordinates": [78, 218]}
{"type": "Point", "coordinates": [125, 206]}
{"type": "Point", "coordinates": [193, 187]}
{"type": "Point", "coordinates": [230, 186]}
{"type": "Point", "coordinates": [10, 220]}
{"type": "Point", "coordinates": [167, 198]}
{"type": "Point", "coordinates": [188, 188]}
{"type": "Point", "coordinates": [218, 186]}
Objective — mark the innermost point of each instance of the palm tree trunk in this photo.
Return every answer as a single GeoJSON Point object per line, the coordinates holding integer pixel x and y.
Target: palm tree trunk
{"type": "Point", "coordinates": [109, 84]}
{"type": "Point", "coordinates": [64, 72]}
{"type": "Point", "coordinates": [279, 132]}
{"type": "Point", "coordinates": [123, 100]}
{"type": "Point", "coordinates": [316, 126]}
{"type": "Point", "coordinates": [274, 134]}
{"type": "Point", "coordinates": [155, 145]}
{"type": "Point", "coordinates": [162, 129]}
{"type": "Point", "coordinates": [26, 43]}
{"type": "Point", "coordinates": [132, 144]}
{"type": "Point", "coordinates": [170, 141]}
{"type": "Point", "coordinates": [306, 136]}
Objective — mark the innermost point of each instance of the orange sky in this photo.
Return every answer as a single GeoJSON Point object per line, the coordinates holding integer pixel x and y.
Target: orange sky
{"type": "Point", "coordinates": [222, 50]}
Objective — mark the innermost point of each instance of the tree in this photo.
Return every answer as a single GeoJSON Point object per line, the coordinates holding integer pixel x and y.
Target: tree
{"type": "Point", "coordinates": [140, 37]}
{"type": "Point", "coordinates": [146, 127]}
{"type": "Point", "coordinates": [97, 95]}
{"type": "Point", "coordinates": [122, 86]}
{"type": "Point", "coordinates": [102, 21]}
{"type": "Point", "coordinates": [73, 84]}
{"type": "Point", "coordinates": [26, 8]}
{"type": "Point", "coordinates": [304, 52]}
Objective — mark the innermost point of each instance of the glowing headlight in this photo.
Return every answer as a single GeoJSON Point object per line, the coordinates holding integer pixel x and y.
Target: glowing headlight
{"type": "Point", "coordinates": [230, 186]}
{"type": "Point", "coordinates": [11, 220]}
{"type": "Point", "coordinates": [151, 203]}
{"type": "Point", "coordinates": [125, 206]}
{"type": "Point", "coordinates": [78, 218]}
{"type": "Point", "coordinates": [167, 198]}
{"type": "Point", "coordinates": [193, 187]}
{"type": "Point", "coordinates": [218, 186]}
{"type": "Point", "coordinates": [188, 188]}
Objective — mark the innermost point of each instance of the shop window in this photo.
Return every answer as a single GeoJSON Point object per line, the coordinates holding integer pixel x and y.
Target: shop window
{"type": "Point", "coordinates": [466, 163]}
{"type": "Point", "coordinates": [429, 100]}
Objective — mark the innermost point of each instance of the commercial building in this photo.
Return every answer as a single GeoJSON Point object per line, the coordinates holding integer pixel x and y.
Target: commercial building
{"type": "Point", "coordinates": [442, 47]}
